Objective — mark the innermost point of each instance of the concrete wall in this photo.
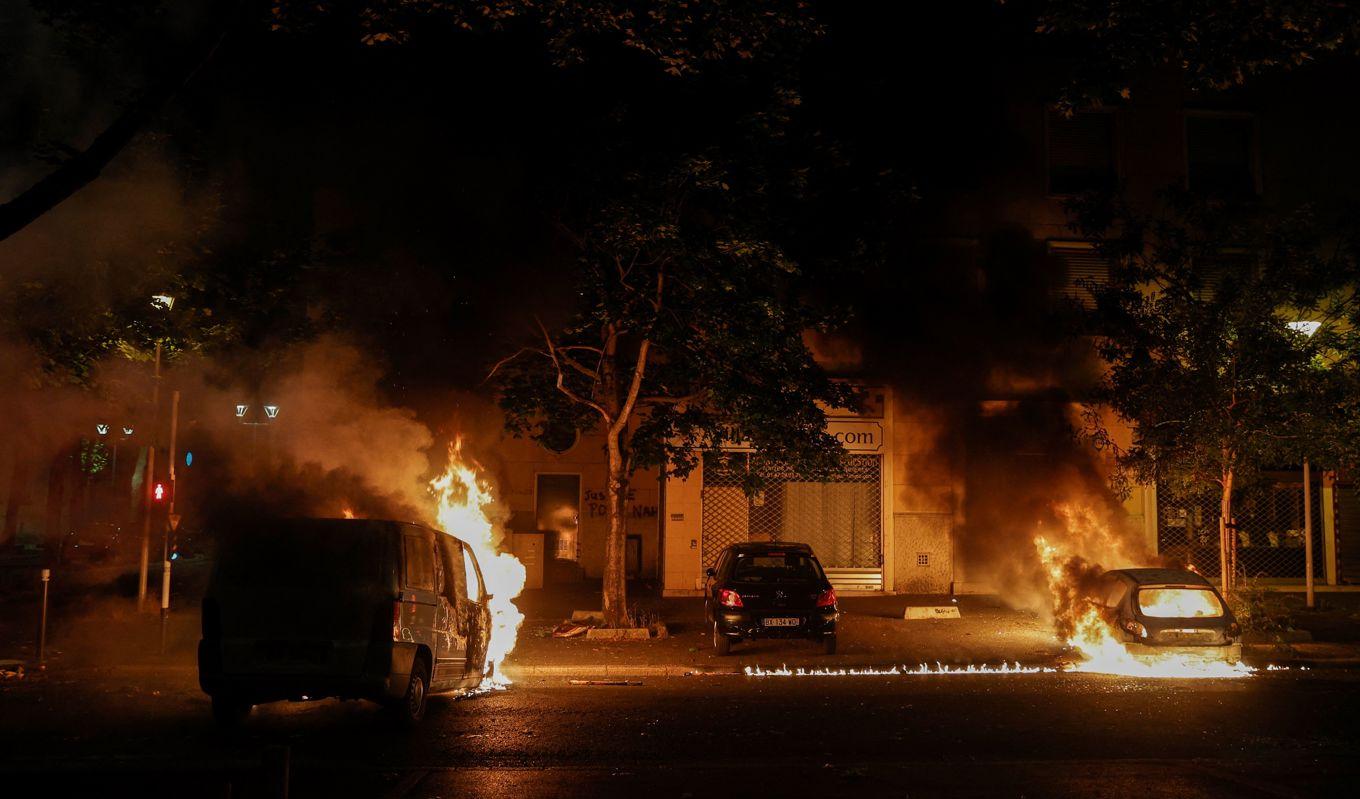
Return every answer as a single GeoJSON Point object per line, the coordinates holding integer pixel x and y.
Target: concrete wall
{"type": "Point", "coordinates": [521, 461]}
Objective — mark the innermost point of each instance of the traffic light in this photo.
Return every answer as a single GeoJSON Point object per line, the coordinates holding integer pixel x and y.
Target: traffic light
{"type": "Point", "coordinates": [174, 543]}
{"type": "Point", "coordinates": [158, 492]}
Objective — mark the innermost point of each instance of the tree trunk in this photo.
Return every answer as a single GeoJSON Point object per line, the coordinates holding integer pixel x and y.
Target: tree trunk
{"type": "Point", "coordinates": [615, 592]}
{"type": "Point", "coordinates": [1227, 539]}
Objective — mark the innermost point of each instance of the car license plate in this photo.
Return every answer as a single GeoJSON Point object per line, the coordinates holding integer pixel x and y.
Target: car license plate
{"type": "Point", "coordinates": [782, 621]}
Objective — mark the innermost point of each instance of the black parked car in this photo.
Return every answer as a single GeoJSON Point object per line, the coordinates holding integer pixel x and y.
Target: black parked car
{"type": "Point", "coordinates": [1165, 610]}
{"type": "Point", "coordinates": [772, 590]}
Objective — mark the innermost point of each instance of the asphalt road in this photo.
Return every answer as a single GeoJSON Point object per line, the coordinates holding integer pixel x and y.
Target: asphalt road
{"type": "Point", "coordinates": [144, 734]}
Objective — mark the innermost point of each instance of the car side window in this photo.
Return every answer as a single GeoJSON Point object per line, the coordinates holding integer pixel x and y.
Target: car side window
{"type": "Point", "coordinates": [473, 576]}
{"type": "Point", "coordinates": [1114, 593]}
{"type": "Point", "coordinates": [419, 563]}
{"type": "Point", "coordinates": [451, 555]}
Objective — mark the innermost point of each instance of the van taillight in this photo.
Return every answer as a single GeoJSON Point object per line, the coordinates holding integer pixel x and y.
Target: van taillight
{"type": "Point", "coordinates": [396, 621]}
{"type": "Point", "coordinates": [827, 599]}
{"type": "Point", "coordinates": [729, 598]}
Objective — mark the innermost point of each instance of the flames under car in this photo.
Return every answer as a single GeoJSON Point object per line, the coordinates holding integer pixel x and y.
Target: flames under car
{"type": "Point", "coordinates": [1158, 611]}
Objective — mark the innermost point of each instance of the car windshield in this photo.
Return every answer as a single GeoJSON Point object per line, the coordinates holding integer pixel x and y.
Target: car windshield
{"type": "Point", "coordinates": [1179, 603]}
{"type": "Point", "coordinates": [775, 567]}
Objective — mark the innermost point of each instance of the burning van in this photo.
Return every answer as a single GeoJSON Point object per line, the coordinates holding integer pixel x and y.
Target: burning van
{"type": "Point", "coordinates": [302, 609]}
{"type": "Point", "coordinates": [1169, 611]}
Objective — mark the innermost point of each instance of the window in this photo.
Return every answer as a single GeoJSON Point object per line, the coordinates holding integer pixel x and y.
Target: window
{"type": "Point", "coordinates": [451, 553]}
{"type": "Point", "coordinates": [1179, 603]}
{"type": "Point", "coordinates": [472, 576]}
{"type": "Point", "coordinates": [1113, 593]}
{"type": "Point", "coordinates": [1080, 152]}
{"type": "Point", "coordinates": [419, 563]}
{"type": "Point", "coordinates": [774, 567]}
{"type": "Point", "coordinates": [1220, 152]}
{"type": "Point", "coordinates": [1081, 264]}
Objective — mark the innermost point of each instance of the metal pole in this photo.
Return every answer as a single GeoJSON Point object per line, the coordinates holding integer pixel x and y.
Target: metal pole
{"type": "Point", "coordinates": [1308, 533]}
{"type": "Point", "coordinates": [165, 600]}
{"type": "Point", "coordinates": [149, 480]}
{"type": "Point", "coordinates": [42, 626]}
{"type": "Point", "coordinates": [170, 466]}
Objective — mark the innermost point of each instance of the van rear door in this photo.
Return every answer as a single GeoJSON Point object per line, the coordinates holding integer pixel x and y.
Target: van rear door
{"type": "Point", "coordinates": [301, 596]}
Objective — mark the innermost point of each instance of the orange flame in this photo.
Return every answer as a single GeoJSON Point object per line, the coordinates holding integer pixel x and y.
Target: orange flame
{"type": "Point", "coordinates": [1082, 626]}
{"type": "Point", "coordinates": [464, 498]}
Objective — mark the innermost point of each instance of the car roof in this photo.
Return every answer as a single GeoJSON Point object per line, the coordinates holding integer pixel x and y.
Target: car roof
{"type": "Point", "coordinates": [761, 546]}
{"type": "Point", "coordinates": [1162, 576]}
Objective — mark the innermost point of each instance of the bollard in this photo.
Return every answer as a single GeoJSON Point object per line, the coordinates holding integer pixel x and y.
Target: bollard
{"type": "Point", "coordinates": [165, 600]}
{"type": "Point", "coordinates": [275, 767]}
{"type": "Point", "coordinates": [42, 626]}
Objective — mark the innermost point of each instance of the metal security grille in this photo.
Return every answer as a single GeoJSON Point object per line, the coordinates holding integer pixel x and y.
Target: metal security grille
{"type": "Point", "coordinates": [1269, 530]}
{"type": "Point", "coordinates": [841, 517]}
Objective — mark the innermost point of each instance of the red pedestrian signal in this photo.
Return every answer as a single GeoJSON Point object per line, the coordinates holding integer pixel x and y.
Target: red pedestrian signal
{"type": "Point", "coordinates": [158, 492]}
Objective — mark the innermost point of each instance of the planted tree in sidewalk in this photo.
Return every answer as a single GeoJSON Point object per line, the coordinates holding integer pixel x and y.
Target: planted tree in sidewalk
{"type": "Point", "coordinates": [1206, 329]}
{"type": "Point", "coordinates": [689, 334]}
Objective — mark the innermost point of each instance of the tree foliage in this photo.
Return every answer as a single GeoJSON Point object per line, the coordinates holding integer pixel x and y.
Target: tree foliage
{"type": "Point", "coordinates": [680, 36]}
{"type": "Point", "coordinates": [1200, 328]}
{"type": "Point", "coordinates": [1216, 44]}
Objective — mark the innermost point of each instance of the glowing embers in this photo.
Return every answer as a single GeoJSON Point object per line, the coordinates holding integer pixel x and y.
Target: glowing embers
{"type": "Point", "coordinates": [920, 670]}
{"type": "Point", "coordinates": [464, 499]}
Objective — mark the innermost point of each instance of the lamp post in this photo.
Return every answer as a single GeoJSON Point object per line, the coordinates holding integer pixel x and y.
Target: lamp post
{"type": "Point", "coordinates": [255, 421]}
{"type": "Point", "coordinates": [163, 302]}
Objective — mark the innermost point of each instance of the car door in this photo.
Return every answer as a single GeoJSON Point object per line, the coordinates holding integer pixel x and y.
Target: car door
{"type": "Point", "coordinates": [420, 596]}
{"type": "Point", "coordinates": [479, 636]}
{"type": "Point", "coordinates": [458, 628]}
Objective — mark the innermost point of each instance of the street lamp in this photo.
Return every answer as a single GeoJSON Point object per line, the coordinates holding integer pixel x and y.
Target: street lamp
{"type": "Point", "coordinates": [161, 302]}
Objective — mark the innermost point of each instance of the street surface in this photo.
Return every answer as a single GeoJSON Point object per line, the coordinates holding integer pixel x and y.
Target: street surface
{"type": "Point", "coordinates": [129, 731]}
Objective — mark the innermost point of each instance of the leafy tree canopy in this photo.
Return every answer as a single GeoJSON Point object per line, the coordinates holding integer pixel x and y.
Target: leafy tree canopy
{"type": "Point", "coordinates": [1216, 44]}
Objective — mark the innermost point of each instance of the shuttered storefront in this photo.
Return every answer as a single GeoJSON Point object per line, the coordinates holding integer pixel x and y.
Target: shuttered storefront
{"type": "Point", "coordinates": [841, 517]}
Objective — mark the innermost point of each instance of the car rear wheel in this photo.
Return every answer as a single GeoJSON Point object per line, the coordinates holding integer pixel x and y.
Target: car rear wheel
{"type": "Point", "coordinates": [829, 644]}
{"type": "Point", "coordinates": [411, 709]}
{"type": "Point", "coordinates": [229, 711]}
{"type": "Point", "coordinates": [721, 643]}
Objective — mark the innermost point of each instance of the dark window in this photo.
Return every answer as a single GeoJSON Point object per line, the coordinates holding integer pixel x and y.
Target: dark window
{"type": "Point", "coordinates": [304, 553]}
{"type": "Point", "coordinates": [1080, 152]}
{"type": "Point", "coordinates": [1082, 266]}
{"type": "Point", "coordinates": [1221, 155]}
{"type": "Point", "coordinates": [419, 564]}
{"type": "Point", "coordinates": [775, 567]}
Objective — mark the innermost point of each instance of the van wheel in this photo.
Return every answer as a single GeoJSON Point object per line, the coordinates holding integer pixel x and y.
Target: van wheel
{"type": "Point", "coordinates": [411, 709]}
{"type": "Point", "coordinates": [228, 711]}
{"type": "Point", "coordinates": [829, 644]}
{"type": "Point", "coordinates": [721, 643]}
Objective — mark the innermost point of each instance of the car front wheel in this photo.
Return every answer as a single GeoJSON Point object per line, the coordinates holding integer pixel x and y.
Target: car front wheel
{"type": "Point", "coordinates": [721, 643]}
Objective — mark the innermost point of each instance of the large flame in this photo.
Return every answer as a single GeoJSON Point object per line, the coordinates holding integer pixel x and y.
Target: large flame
{"type": "Point", "coordinates": [465, 498]}
{"type": "Point", "coordinates": [1081, 625]}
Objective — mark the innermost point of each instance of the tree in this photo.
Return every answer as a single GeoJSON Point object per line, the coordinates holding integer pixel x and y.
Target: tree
{"type": "Point", "coordinates": [689, 336]}
{"type": "Point", "coordinates": [1201, 329]}
{"type": "Point", "coordinates": [1215, 44]}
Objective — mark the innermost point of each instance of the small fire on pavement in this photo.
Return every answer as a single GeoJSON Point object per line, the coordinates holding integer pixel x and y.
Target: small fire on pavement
{"type": "Point", "coordinates": [464, 498]}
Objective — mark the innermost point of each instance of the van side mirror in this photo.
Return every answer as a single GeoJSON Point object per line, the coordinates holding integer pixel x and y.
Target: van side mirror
{"type": "Point", "coordinates": [710, 572]}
